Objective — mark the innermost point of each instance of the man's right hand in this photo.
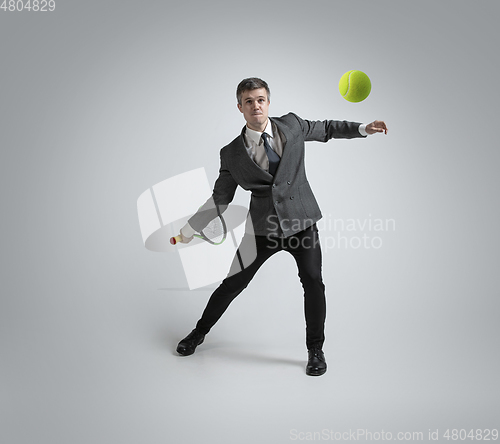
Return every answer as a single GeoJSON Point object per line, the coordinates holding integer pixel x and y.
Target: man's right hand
{"type": "Point", "coordinates": [184, 239]}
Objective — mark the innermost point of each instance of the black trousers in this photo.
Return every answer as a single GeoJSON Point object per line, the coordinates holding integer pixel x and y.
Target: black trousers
{"type": "Point", "coordinates": [306, 250]}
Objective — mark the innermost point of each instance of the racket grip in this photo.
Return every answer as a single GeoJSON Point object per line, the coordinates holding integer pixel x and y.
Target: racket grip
{"type": "Point", "coordinates": [174, 240]}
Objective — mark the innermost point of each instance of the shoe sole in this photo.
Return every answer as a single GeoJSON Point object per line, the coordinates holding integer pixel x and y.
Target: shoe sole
{"type": "Point", "coordinates": [315, 373]}
{"type": "Point", "coordinates": [183, 352]}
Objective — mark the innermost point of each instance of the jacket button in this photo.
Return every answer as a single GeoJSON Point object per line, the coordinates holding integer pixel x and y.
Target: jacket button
{"type": "Point", "coordinates": [291, 197]}
{"type": "Point", "coordinates": [288, 182]}
{"type": "Point", "coordinates": [276, 202]}
{"type": "Point", "coordinates": [274, 185]}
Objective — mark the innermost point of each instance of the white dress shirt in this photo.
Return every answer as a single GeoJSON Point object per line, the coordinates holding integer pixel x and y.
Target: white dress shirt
{"type": "Point", "coordinates": [255, 145]}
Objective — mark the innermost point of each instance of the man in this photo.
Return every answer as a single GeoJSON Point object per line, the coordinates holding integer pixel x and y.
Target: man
{"type": "Point", "coordinates": [267, 158]}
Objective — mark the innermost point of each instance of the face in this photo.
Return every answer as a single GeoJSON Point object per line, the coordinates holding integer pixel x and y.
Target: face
{"type": "Point", "coordinates": [255, 108]}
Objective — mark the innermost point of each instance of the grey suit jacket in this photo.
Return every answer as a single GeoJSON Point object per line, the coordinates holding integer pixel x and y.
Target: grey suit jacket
{"type": "Point", "coordinates": [281, 205]}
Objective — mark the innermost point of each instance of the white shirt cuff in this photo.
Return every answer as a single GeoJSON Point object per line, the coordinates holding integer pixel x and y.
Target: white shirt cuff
{"type": "Point", "coordinates": [362, 129]}
{"type": "Point", "coordinates": [187, 231]}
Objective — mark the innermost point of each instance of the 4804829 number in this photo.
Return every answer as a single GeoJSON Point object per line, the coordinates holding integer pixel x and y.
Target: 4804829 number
{"type": "Point", "coordinates": [472, 434]}
{"type": "Point", "coordinates": [28, 5]}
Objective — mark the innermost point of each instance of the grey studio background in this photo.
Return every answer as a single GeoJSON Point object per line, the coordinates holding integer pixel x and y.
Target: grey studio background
{"type": "Point", "coordinates": [101, 100]}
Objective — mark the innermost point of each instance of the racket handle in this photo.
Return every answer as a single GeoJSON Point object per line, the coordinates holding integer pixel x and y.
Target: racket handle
{"type": "Point", "coordinates": [174, 240]}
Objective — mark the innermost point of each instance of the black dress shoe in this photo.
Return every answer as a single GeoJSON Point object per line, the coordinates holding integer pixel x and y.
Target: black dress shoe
{"type": "Point", "coordinates": [316, 366]}
{"type": "Point", "coordinates": [188, 345]}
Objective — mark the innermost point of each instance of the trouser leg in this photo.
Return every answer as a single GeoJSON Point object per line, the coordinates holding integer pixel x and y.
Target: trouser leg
{"type": "Point", "coordinates": [236, 282]}
{"type": "Point", "coordinates": [306, 250]}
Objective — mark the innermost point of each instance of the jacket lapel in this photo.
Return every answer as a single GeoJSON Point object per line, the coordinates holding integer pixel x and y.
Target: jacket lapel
{"type": "Point", "coordinates": [246, 162]}
{"type": "Point", "coordinates": [285, 131]}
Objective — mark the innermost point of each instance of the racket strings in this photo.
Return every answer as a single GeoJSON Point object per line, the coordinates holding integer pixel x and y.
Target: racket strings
{"type": "Point", "coordinates": [214, 231]}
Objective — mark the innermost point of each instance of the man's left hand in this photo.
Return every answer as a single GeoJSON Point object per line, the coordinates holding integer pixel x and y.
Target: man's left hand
{"type": "Point", "coordinates": [378, 126]}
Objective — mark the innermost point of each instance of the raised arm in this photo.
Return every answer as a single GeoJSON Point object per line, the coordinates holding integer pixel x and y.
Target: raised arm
{"type": "Point", "coordinates": [324, 130]}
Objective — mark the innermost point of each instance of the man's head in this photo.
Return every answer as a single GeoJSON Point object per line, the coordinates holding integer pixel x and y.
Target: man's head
{"type": "Point", "coordinates": [253, 96]}
{"type": "Point", "coordinates": [251, 84]}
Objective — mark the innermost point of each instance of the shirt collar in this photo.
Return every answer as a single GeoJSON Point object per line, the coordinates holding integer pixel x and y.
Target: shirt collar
{"type": "Point", "coordinates": [255, 136]}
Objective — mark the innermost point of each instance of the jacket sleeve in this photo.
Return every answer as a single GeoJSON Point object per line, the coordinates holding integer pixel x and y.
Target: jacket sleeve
{"type": "Point", "coordinates": [324, 130]}
{"type": "Point", "coordinates": [223, 194]}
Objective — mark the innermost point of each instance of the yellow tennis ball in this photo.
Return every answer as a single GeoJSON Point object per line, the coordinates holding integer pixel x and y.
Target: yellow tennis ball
{"type": "Point", "coordinates": [355, 86]}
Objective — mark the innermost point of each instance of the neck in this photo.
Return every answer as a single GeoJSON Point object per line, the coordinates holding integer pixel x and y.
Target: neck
{"type": "Point", "coordinates": [259, 128]}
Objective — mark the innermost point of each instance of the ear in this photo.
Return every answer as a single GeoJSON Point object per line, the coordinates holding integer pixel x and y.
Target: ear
{"type": "Point", "coordinates": [240, 107]}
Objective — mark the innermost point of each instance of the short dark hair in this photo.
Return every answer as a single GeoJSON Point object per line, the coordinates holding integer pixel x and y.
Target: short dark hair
{"type": "Point", "coordinates": [250, 84]}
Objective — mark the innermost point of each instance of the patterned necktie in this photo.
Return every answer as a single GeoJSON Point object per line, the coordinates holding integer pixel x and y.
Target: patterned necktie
{"type": "Point", "coordinates": [274, 159]}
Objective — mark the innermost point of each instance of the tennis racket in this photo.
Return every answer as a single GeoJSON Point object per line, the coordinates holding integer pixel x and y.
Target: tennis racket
{"type": "Point", "coordinates": [214, 233]}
